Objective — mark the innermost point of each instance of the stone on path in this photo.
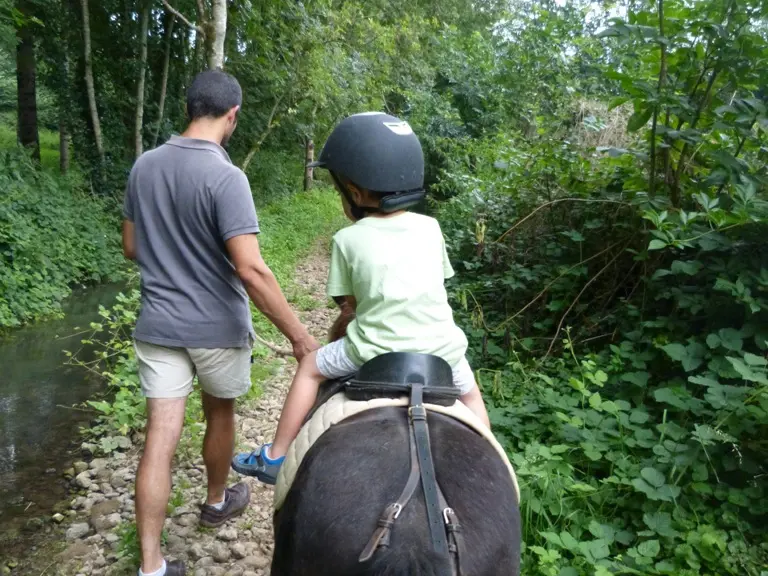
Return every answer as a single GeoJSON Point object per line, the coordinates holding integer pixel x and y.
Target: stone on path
{"type": "Point", "coordinates": [76, 531]}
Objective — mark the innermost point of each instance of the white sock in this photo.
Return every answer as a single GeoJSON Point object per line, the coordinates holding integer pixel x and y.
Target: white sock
{"type": "Point", "coordinates": [219, 507]}
{"type": "Point", "coordinates": [159, 572]}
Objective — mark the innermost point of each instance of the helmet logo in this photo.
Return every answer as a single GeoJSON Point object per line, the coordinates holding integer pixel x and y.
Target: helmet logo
{"type": "Point", "coordinates": [399, 128]}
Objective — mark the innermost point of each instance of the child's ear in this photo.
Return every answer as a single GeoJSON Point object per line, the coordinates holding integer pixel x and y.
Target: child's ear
{"type": "Point", "coordinates": [357, 195]}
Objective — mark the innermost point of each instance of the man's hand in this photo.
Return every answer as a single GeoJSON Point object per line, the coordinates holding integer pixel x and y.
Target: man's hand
{"type": "Point", "coordinates": [303, 347]}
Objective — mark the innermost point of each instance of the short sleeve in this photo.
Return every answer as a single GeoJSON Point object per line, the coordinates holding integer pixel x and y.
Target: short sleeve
{"type": "Point", "coordinates": [339, 276]}
{"type": "Point", "coordinates": [235, 211]}
{"type": "Point", "coordinates": [129, 200]}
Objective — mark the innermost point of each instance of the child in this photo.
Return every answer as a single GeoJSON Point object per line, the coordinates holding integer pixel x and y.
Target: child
{"type": "Point", "coordinates": [388, 268]}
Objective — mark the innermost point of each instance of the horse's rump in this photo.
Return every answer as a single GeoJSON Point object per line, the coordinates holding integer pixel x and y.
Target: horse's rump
{"type": "Point", "coordinates": [360, 465]}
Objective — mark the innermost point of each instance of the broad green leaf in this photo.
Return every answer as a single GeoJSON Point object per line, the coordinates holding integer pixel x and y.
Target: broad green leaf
{"type": "Point", "coordinates": [731, 339]}
{"type": "Point", "coordinates": [638, 417]}
{"type": "Point", "coordinates": [637, 378]}
{"type": "Point", "coordinates": [677, 397]}
{"type": "Point", "coordinates": [689, 268]}
{"type": "Point", "coordinates": [754, 360]}
{"type": "Point", "coordinates": [675, 351]}
{"type": "Point", "coordinates": [616, 102]}
{"type": "Point", "coordinates": [552, 538]}
{"type": "Point", "coordinates": [656, 244]}
{"type": "Point", "coordinates": [713, 341]}
{"type": "Point", "coordinates": [649, 548]}
{"type": "Point", "coordinates": [653, 477]}
{"type": "Point", "coordinates": [660, 523]}
{"type": "Point", "coordinates": [746, 372]}
{"type": "Point", "coordinates": [569, 541]}
{"type": "Point", "coordinates": [639, 119]}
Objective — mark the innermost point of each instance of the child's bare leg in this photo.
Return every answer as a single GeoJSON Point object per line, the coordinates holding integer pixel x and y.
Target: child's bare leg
{"type": "Point", "coordinates": [474, 401]}
{"type": "Point", "coordinates": [301, 397]}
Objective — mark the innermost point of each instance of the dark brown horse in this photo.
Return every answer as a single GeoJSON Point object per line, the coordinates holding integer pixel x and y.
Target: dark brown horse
{"type": "Point", "coordinates": [359, 466]}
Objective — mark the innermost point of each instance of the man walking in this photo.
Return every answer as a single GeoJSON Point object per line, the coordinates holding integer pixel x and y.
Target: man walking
{"type": "Point", "coordinates": [191, 225]}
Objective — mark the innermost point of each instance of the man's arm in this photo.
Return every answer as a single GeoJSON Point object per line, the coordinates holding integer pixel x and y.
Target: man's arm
{"type": "Point", "coordinates": [129, 240]}
{"type": "Point", "coordinates": [263, 289]}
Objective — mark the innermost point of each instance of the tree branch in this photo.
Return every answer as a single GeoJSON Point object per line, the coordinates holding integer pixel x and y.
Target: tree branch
{"type": "Point", "coordinates": [662, 78]}
{"type": "Point", "coordinates": [181, 17]}
{"type": "Point", "coordinates": [552, 203]}
{"type": "Point", "coordinates": [276, 349]}
{"type": "Point", "coordinates": [267, 130]}
{"type": "Point", "coordinates": [584, 289]}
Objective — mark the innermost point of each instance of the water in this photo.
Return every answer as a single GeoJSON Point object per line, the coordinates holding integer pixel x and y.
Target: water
{"type": "Point", "coordinates": [38, 427]}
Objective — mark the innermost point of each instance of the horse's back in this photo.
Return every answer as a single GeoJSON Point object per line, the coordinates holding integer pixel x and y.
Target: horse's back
{"type": "Point", "coordinates": [360, 466]}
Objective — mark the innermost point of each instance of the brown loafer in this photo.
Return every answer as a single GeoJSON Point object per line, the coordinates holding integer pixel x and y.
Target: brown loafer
{"type": "Point", "coordinates": [236, 500]}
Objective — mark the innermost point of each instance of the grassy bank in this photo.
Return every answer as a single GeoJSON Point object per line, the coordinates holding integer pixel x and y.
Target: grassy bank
{"type": "Point", "coordinates": [53, 234]}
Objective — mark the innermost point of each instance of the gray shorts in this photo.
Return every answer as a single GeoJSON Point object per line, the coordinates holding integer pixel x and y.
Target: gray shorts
{"type": "Point", "coordinates": [333, 362]}
{"type": "Point", "coordinates": [169, 372]}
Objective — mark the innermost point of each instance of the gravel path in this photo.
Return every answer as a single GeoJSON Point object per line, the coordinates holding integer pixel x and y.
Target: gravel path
{"type": "Point", "coordinates": [96, 531]}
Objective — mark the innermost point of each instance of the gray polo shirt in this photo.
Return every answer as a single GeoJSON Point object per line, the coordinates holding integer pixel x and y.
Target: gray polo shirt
{"type": "Point", "coordinates": [186, 199]}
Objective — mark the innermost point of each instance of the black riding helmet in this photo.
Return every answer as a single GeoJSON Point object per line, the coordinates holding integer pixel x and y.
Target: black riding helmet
{"type": "Point", "coordinates": [379, 153]}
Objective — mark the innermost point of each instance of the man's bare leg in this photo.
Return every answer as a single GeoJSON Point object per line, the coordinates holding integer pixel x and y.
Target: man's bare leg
{"type": "Point", "coordinates": [165, 418]}
{"type": "Point", "coordinates": [219, 444]}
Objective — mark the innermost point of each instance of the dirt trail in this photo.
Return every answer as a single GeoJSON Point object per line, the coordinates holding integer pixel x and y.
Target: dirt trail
{"type": "Point", "coordinates": [243, 546]}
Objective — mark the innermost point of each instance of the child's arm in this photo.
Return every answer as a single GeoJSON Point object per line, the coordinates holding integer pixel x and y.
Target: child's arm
{"type": "Point", "coordinates": [347, 307]}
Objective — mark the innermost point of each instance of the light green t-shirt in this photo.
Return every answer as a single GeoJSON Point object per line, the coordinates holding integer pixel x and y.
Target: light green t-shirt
{"type": "Point", "coordinates": [395, 268]}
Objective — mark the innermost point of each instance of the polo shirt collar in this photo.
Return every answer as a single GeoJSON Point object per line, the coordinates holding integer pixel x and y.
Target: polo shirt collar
{"type": "Point", "coordinates": [197, 144]}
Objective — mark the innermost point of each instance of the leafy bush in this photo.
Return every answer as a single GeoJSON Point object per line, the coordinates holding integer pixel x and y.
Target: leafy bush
{"type": "Point", "coordinates": [52, 235]}
{"type": "Point", "coordinates": [273, 175]}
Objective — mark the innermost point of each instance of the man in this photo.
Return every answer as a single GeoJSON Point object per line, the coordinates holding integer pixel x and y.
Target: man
{"type": "Point", "coordinates": [191, 225]}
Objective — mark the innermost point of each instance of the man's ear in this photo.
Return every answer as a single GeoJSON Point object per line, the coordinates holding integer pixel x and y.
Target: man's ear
{"type": "Point", "coordinates": [232, 115]}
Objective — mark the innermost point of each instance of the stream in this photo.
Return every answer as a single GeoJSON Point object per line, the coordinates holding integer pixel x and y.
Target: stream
{"type": "Point", "coordinates": [38, 425]}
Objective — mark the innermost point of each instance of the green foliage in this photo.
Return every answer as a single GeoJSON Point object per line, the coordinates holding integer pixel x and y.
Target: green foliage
{"type": "Point", "coordinates": [290, 229]}
{"type": "Point", "coordinates": [274, 175]}
{"type": "Point", "coordinates": [614, 295]}
{"type": "Point", "coordinates": [52, 235]}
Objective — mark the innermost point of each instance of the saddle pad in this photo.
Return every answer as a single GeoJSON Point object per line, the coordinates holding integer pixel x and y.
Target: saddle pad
{"type": "Point", "coordinates": [339, 407]}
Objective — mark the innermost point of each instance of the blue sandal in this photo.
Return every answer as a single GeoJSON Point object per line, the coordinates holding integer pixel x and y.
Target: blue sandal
{"type": "Point", "coordinates": [257, 464]}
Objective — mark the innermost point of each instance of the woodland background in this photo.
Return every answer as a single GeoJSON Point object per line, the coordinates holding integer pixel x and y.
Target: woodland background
{"type": "Point", "coordinates": [598, 170]}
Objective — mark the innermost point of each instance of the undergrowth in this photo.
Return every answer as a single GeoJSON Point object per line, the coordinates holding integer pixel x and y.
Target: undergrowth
{"type": "Point", "coordinates": [53, 234]}
{"type": "Point", "coordinates": [290, 229]}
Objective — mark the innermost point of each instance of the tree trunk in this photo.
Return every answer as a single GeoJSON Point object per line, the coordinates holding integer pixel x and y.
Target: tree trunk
{"type": "Point", "coordinates": [63, 143]}
{"type": "Point", "coordinates": [139, 132]}
{"type": "Point", "coordinates": [218, 31]}
{"type": "Point", "coordinates": [25, 87]}
{"type": "Point", "coordinates": [64, 93]}
{"type": "Point", "coordinates": [309, 156]}
{"type": "Point", "coordinates": [164, 81]}
{"type": "Point", "coordinates": [89, 83]}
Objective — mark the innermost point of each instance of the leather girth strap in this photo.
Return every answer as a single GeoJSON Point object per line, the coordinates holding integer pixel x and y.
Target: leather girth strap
{"type": "Point", "coordinates": [418, 417]}
{"type": "Point", "coordinates": [387, 519]}
{"type": "Point", "coordinates": [441, 518]}
{"type": "Point", "coordinates": [455, 537]}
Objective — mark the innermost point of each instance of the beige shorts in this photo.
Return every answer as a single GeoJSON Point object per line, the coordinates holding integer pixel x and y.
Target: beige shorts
{"type": "Point", "coordinates": [170, 372]}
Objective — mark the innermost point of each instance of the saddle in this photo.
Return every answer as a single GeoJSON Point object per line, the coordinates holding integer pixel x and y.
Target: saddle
{"type": "Point", "coordinates": [421, 378]}
{"type": "Point", "coordinates": [392, 375]}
